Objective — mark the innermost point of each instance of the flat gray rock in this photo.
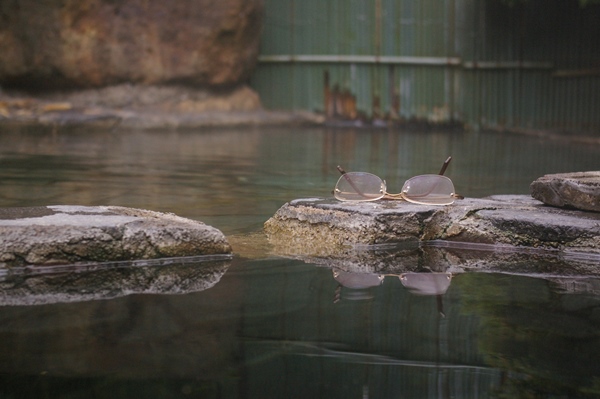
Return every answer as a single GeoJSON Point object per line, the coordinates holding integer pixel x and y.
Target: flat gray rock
{"type": "Point", "coordinates": [569, 190]}
{"type": "Point", "coordinates": [326, 227]}
{"type": "Point", "coordinates": [63, 234]}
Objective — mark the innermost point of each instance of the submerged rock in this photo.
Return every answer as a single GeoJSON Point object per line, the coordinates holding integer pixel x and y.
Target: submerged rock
{"type": "Point", "coordinates": [63, 234]}
{"type": "Point", "coordinates": [569, 190]}
{"type": "Point", "coordinates": [326, 227]}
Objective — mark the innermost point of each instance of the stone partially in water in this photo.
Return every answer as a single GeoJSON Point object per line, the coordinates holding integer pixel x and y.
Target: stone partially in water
{"type": "Point", "coordinates": [68, 234]}
{"type": "Point", "coordinates": [569, 190]}
{"type": "Point", "coordinates": [326, 227]}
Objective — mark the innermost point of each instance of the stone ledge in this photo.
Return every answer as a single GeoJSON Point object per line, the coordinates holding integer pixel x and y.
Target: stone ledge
{"type": "Point", "coordinates": [326, 227]}
{"type": "Point", "coordinates": [65, 234]}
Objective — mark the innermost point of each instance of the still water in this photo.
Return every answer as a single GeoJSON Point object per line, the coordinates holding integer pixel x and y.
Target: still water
{"type": "Point", "coordinates": [267, 326]}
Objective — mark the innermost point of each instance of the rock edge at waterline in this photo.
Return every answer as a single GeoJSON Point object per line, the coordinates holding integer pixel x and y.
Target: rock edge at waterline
{"type": "Point", "coordinates": [64, 234]}
{"type": "Point", "coordinates": [128, 106]}
{"type": "Point", "coordinates": [323, 227]}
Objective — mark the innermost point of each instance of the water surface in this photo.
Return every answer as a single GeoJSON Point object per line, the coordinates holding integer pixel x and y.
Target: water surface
{"type": "Point", "coordinates": [273, 327]}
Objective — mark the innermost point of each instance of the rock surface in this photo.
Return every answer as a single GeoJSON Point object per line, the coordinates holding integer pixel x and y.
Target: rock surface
{"type": "Point", "coordinates": [65, 234]}
{"type": "Point", "coordinates": [326, 227]}
{"type": "Point", "coordinates": [57, 44]}
{"type": "Point", "coordinates": [569, 190]}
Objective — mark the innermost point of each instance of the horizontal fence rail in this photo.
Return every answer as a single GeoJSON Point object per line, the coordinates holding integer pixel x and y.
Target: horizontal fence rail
{"type": "Point", "coordinates": [361, 59]}
{"type": "Point", "coordinates": [407, 60]}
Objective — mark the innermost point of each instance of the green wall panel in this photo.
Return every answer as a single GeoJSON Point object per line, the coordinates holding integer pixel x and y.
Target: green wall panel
{"type": "Point", "coordinates": [530, 66]}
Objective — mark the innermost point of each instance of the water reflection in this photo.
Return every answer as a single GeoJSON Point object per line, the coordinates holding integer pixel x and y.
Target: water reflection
{"type": "Point", "coordinates": [547, 336]}
{"type": "Point", "coordinates": [272, 328]}
{"type": "Point", "coordinates": [444, 256]}
{"type": "Point", "coordinates": [267, 323]}
{"type": "Point", "coordinates": [426, 283]}
{"type": "Point", "coordinates": [358, 284]}
{"type": "Point", "coordinates": [85, 282]}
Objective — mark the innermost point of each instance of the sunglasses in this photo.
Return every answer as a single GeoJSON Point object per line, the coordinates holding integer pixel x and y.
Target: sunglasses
{"type": "Point", "coordinates": [423, 189]}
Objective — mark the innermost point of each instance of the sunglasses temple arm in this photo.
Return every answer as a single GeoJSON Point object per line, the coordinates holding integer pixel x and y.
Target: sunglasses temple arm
{"type": "Point", "coordinates": [443, 170]}
{"type": "Point", "coordinates": [445, 166]}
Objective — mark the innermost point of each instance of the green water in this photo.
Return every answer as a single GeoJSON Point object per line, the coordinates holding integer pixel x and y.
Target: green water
{"type": "Point", "coordinates": [272, 327]}
{"type": "Point", "coordinates": [235, 179]}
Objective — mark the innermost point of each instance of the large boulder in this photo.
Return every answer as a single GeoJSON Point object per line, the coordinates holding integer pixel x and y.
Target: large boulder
{"type": "Point", "coordinates": [58, 44]}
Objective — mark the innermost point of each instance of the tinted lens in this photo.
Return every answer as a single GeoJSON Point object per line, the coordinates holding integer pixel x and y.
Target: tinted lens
{"type": "Point", "coordinates": [429, 190]}
{"type": "Point", "coordinates": [359, 186]}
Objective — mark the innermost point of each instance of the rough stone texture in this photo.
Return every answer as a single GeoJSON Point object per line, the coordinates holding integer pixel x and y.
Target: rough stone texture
{"type": "Point", "coordinates": [569, 190]}
{"type": "Point", "coordinates": [56, 44]}
{"type": "Point", "coordinates": [67, 234]}
{"type": "Point", "coordinates": [166, 98]}
{"type": "Point", "coordinates": [326, 227]}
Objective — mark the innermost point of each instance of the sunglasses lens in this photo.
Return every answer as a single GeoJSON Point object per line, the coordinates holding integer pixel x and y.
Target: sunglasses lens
{"type": "Point", "coordinates": [359, 186]}
{"type": "Point", "coordinates": [429, 190]}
